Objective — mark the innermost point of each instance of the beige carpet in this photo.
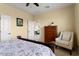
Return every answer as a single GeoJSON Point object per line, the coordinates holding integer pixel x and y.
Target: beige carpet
{"type": "Point", "coordinates": [62, 52]}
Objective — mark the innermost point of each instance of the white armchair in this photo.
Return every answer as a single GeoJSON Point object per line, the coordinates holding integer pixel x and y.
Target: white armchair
{"type": "Point", "coordinates": [65, 40]}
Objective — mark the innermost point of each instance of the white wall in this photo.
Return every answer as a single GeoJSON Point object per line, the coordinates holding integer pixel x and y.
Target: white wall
{"type": "Point", "coordinates": [76, 9]}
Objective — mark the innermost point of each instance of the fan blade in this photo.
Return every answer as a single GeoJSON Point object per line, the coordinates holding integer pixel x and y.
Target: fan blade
{"type": "Point", "coordinates": [36, 4]}
{"type": "Point", "coordinates": [27, 4]}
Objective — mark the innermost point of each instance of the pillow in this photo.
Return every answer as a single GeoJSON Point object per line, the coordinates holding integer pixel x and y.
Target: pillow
{"type": "Point", "coordinates": [66, 36]}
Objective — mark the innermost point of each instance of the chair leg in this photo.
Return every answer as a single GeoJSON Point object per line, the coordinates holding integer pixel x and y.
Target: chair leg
{"type": "Point", "coordinates": [70, 52]}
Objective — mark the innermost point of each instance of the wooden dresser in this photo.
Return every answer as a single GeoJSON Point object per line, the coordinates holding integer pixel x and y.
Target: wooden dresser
{"type": "Point", "coordinates": [50, 33]}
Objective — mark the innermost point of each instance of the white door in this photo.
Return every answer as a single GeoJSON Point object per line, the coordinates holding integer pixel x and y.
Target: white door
{"type": "Point", "coordinates": [5, 27]}
{"type": "Point", "coordinates": [31, 30]}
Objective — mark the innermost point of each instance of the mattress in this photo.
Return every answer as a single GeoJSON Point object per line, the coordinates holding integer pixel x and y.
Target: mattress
{"type": "Point", "coordinates": [16, 47]}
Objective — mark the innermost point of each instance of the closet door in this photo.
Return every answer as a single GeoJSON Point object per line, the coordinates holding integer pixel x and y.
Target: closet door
{"type": "Point", "coordinates": [5, 27]}
{"type": "Point", "coordinates": [30, 30]}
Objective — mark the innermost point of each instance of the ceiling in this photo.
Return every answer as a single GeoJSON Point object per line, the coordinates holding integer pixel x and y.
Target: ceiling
{"type": "Point", "coordinates": [43, 7]}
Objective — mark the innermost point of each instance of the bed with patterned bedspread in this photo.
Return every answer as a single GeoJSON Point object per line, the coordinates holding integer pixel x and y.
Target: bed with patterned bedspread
{"type": "Point", "coordinates": [18, 47]}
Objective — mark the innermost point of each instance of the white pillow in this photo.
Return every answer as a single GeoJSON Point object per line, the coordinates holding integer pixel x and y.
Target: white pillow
{"type": "Point", "coordinates": [66, 36]}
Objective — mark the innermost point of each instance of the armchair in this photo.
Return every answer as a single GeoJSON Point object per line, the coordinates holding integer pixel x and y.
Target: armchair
{"type": "Point", "coordinates": [65, 40]}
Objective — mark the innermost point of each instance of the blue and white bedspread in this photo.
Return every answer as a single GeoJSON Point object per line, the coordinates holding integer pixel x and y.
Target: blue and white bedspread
{"type": "Point", "coordinates": [18, 47]}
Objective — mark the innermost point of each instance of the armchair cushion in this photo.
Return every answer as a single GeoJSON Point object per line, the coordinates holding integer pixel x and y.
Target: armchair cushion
{"type": "Point", "coordinates": [62, 42]}
{"type": "Point", "coordinates": [66, 36]}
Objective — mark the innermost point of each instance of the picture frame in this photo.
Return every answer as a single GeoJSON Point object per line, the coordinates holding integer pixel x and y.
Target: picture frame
{"type": "Point", "coordinates": [19, 22]}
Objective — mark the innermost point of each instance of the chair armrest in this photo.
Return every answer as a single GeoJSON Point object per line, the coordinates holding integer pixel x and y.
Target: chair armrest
{"type": "Point", "coordinates": [71, 41]}
{"type": "Point", "coordinates": [72, 38]}
{"type": "Point", "coordinates": [58, 39]}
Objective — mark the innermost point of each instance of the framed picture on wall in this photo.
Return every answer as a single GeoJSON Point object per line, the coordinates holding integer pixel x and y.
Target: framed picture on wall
{"type": "Point", "coordinates": [19, 22]}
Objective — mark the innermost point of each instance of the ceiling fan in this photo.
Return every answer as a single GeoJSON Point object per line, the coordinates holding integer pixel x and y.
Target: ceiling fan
{"type": "Point", "coordinates": [36, 4]}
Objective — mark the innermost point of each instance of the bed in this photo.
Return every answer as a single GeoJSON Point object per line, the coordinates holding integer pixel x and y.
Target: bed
{"type": "Point", "coordinates": [17, 47]}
